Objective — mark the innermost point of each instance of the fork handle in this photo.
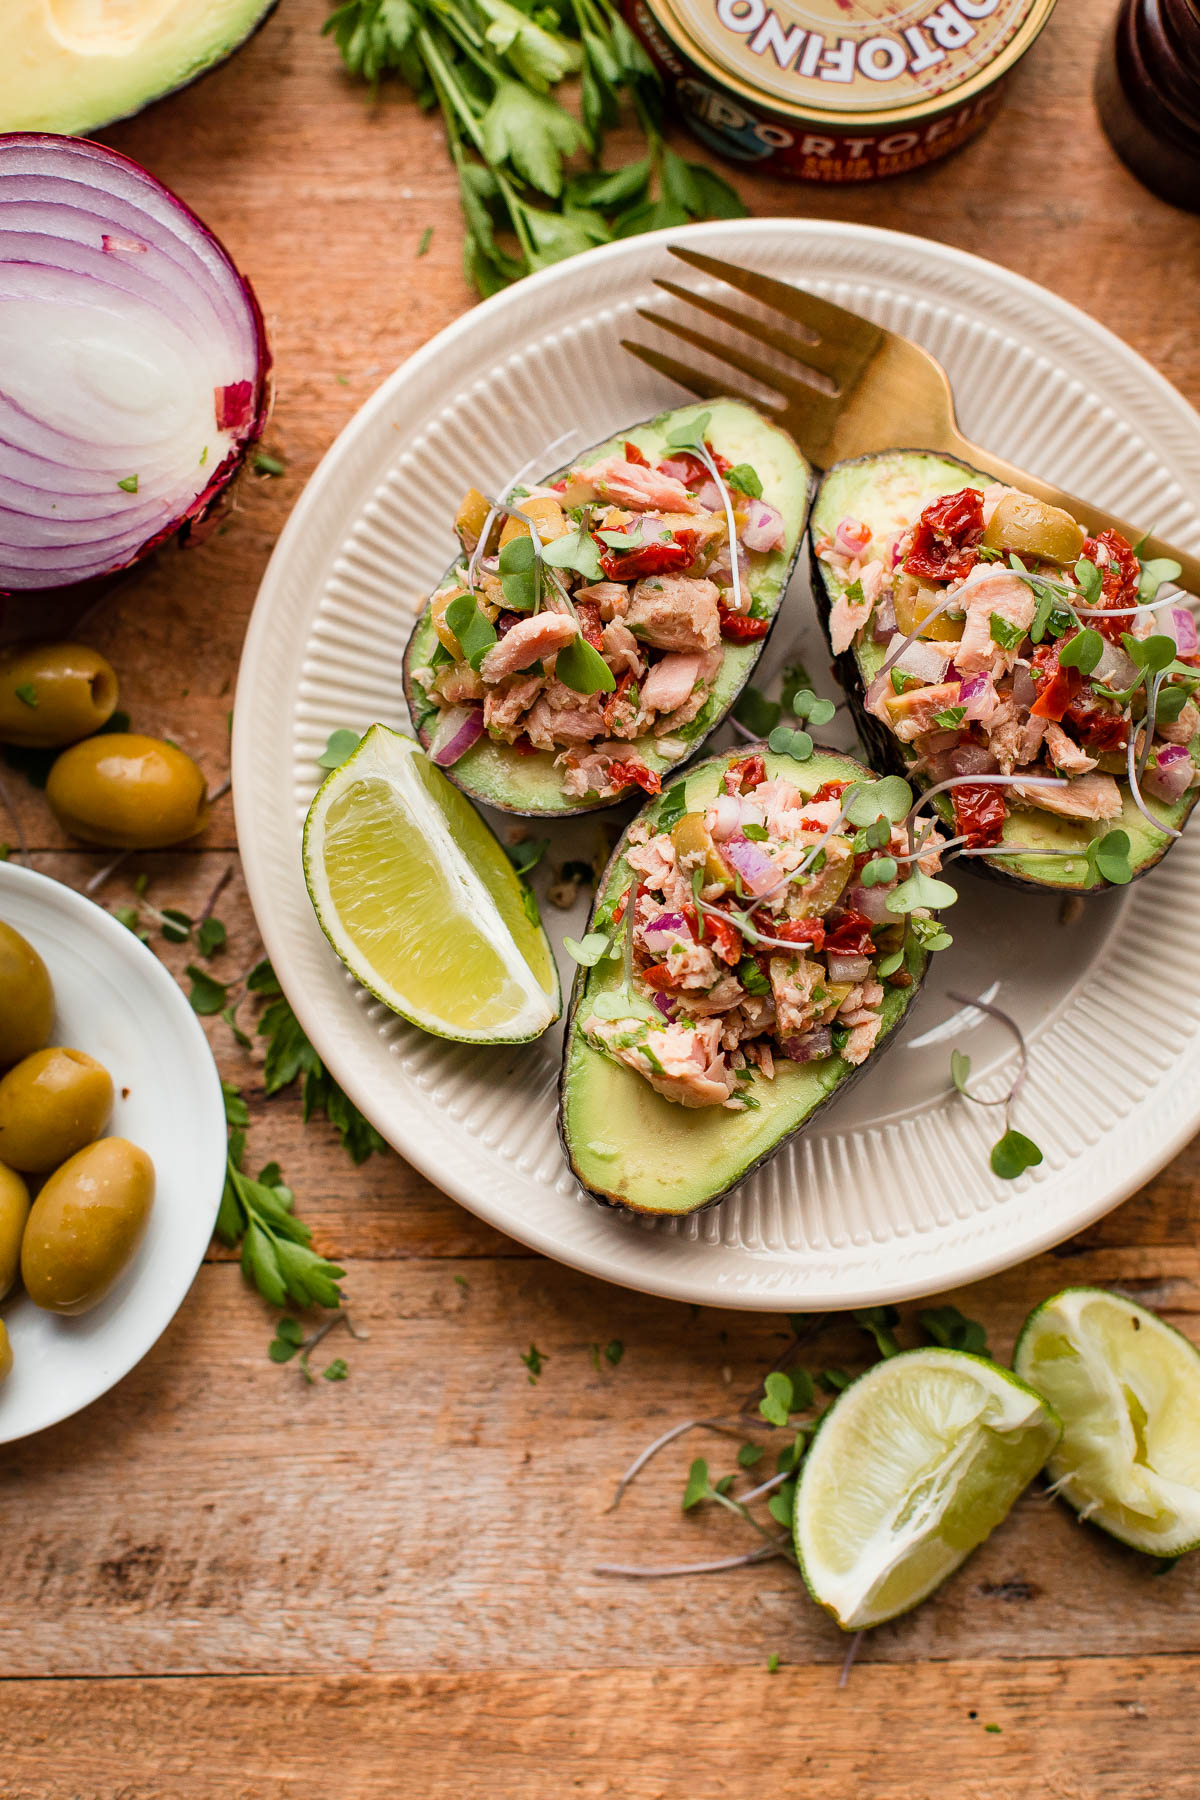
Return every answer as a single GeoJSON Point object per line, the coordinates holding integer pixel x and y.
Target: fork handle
{"type": "Point", "coordinates": [1091, 516]}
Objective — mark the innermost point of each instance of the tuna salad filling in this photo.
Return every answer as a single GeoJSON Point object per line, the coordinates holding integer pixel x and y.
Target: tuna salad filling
{"type": "Point", "coordinates": [1019, 661]}
{"type": "Point", "coordinates": [594, 611]}
{"type": "Point", "coordinates": [760, 930]}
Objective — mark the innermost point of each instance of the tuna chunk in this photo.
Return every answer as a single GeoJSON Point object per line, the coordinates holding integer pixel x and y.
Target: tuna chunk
{"type": "Point", "coordinates": [670, 681]}
{"type": "Point", "coordinates": [561, 716]}
{"type": "Point", "coordinates": [504, 706]}
{"type": "Point", "coordinates": [989, 589]}
{"type": "Point", "coordinates": [529, 641]}
{"type": "Point", "coordinates": [621, 648]}
{"type": "Point", "coordinates": [690, 1067]}
{"type": "Point", "coordinates": [675, 612]}
{"type": "Point", "coordinates": [1065, 753]}
{"type": "Point", "coordinates": [849, 616]}
{"type": "Point", "coordinates": [1092, 796]}
{"type": "Point", "coordinates": [1183, 729]}
{"type": "Point", "coordinates": [793, 979]}
{"type": "Point", "coordinates": [628, 484]}
{"type": "Point", "coordinates": [612, 597]}
{"type": "Point", "coordinates": [861, 1042]}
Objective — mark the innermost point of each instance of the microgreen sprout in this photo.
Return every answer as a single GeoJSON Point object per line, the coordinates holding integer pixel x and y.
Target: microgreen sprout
{"type": "Point", "coordinates": [1013, 1152]}
{"type": "Point", "coordinates": [690, 436]}
{"type": "Point", "coordinates": [496, 507]}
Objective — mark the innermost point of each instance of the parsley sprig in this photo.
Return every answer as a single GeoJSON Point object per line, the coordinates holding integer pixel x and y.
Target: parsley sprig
{"type": "Point", "coordinates": [259, 1213]}
{"type": "Point", "coordinates": [493, 68]}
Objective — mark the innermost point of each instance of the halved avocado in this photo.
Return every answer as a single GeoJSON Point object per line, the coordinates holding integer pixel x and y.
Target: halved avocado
{"type": "Point", "coordinates": [886, 490]}
{"type": "Point", "coordinates": [630, 1147]}
{"type": "Point", "coordinates": [71, 66]}
{"type": "Point", "coordinates": [497, 773]}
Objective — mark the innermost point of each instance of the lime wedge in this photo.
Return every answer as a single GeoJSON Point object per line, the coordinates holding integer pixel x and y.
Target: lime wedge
{"type": "Point", "coordinates": [1127, 1388]}
{"type": "Point", "coordinates": [911, 1468]}
{"type": "Point", "coordinates": [420, 902]}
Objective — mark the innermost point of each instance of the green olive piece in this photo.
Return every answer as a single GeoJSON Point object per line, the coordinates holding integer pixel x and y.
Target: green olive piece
{"type": "Point", "coordinates": [14, 1210]}
{"type": "Point", "coordinates": [51, 1105]}
{"type": "Point", "coordinates": [26, 997]}
{"type": "Point", "coordinates": [128, 792]}
{"type": "Point", "coordinates": [52, 694]}
{"type": "Point", "coordinates": [5, 1352]}
{"type": "Point", "coordinates": [86, 1224]}
{"type": "Point", "coordinates": [1034, 528]}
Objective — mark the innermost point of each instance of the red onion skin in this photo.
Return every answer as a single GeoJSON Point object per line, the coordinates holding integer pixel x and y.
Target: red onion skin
{"type": "Point", "coordinates": [813, 1044]}
{"type": "Point", "coordinates": [1170, 779]}
{"type": "Point", "coordinates": [976, 693]}
{"type": "Point", "coordinates": [1185, 631]}
{"type": "Point", "coordinates": [468, 732]}
{"type": "Point", "coordinates": [883, 625]}
{"type": "Point", "coordinates": [666, 926]}
{"type": "Point", "coordinates": [666, 1007]}
{"type": "Point", "coordinates": [765, 529]}
{"type": "Point", "coordinates": [756, 869]}
{"type": "Point", "coordinates": [200, 517]}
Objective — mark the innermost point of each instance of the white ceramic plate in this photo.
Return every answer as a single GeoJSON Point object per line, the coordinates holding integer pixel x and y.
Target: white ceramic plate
{"type": "Point", "coordinates": [889, 1194]}
{"type": "Point", "coordinates": [116, 1001]}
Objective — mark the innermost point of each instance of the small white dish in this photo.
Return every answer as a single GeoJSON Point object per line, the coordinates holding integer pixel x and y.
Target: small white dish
{"type": "Point", "coordinates": [116, 1001]}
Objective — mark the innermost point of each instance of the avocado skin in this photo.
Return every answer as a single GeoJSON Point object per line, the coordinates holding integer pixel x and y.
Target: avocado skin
{"type": "Point", "coordinates": [621, 1202]}
{"type": "Point", "coordinates": [884, 749]}
{"type": "Point", "coordinates": [512, 805]}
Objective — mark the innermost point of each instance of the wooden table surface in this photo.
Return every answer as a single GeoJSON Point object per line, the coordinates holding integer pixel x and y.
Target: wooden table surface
{"type": "Point", "coordinates": [220, 1582]}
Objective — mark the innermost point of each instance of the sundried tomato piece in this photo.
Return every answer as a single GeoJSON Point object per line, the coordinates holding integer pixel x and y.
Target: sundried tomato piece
{"type": "Point", "coordinates": [792, 931]}
{"type": "Point", "coordinates": [726, 940]}
{"type": "Point", "coordinates": [616, 700]}
{"type": "Point", "coordinates": [660, 978]}
{"type": "Point", "coordinates": [634, 774]}
{"type": "Point", "coordinates": [589, 622]}
{"type": "Point", "coordinates": [850, 936]}
{"type": "Point", "coordinates": [979, 814]}
{"type": "Point", "coordinates": [828, 790]}
{"type": "Point", "coordinates": [665, 557]}
{"type": "Point", "coordinates": [1120, 574]}
{"type": "Point", "coordinates": [634, 455]}
{"type": "Point", "coordinates": [740, 628]}
{"type": "Point", "coordinates": [1056, 686]}
{"type": "Point", "coordinates": [744, 776]}
{"type": "Point", "coordinates": [946, 537]}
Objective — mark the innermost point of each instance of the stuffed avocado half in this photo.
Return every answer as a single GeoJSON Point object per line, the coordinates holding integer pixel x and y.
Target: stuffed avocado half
{"type": "Point", "coordinates": [986, 642]}
{"type": "Point", "coordinates": [780, 931]}
{"type": "Point", "coordinates": [597, 626]}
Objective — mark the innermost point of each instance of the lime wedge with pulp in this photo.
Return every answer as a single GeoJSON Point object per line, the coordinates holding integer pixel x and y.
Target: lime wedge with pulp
{"type": "Point", "coordinates": [420, 902]}
{"type": "Point", "coordinates": [1127, 1388]}
{"type": "Point", "coordinates": [912, 1466]}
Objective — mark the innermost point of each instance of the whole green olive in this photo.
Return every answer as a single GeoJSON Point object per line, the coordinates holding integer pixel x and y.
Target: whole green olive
{"type": "Point", "coordinates": [14, 1210]}
{"type": "Point", "coordinates": [52, 694]}
{"type": "Point", "coordinates": [86, 1224]}
{"type": "Point", "coordinates": [51, 1105]}
{"type": "Point", "coordinates": [128, 792]}
{"type": "Point", "coordinates": [26, 997]}
{"type": "Point", "coordinates": [5, 1352]}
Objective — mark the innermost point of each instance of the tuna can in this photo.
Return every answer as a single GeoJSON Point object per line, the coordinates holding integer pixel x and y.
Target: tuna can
{"type": "Point", "coordinates": [836, 90]}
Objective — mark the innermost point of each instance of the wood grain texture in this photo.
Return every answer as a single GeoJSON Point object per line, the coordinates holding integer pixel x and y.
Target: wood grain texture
{"type": "Point", "coordinates": [221, 1582]}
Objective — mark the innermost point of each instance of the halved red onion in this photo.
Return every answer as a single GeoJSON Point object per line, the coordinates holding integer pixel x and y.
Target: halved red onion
{"type": "Point", "coordinates": [848, 968]}
{"type": "Point", "coordinates": [1171, 777]}
{"type": "Point", "coordinates": [1186, 641]}
{"type": "Point", "coordinates": [977, 693]}
{"type": "Point", "coordinates": [134, 363]}
{"type": "Point", "coordinates": [871, 902]}
{"type": "Point", "coordinates": [883, 621]}
{"type": "Point", "coordinates": [815, 1043]}
{"type": "Point", "coordinates": [458, 728]}
{"type": "Point", "coordinates": [755, 867]}
{"type": "Point", "coordinates": [763, 529]}
{"type": "Point", "coordinates": [663, 930]}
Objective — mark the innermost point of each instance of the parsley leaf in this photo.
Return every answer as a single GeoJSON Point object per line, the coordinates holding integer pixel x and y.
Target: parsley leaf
{"type": "Point", "coordinates": [672, 806]}
{"type": "Point", "coordinates": [879, 1323]}
{"type": "Point", "coordinates": [945, 1325]}
{"type": "Point", "coordinates": [1004, 632]}
{"type": "Point", "coordinates": [697, 1488]}
{"type": "Point", "coordinates": [745, 480]}
{"type": "Point", "coordinates": [534, 1361]}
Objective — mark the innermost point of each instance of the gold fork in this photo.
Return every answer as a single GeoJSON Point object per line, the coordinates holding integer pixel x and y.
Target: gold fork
{"type": "Point", "coordinates": [852, 387]}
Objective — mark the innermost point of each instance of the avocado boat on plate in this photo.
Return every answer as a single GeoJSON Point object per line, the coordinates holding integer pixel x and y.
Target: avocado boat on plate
{"type": "Point", "coordinates": [993, 651]}
{"type": "Point", "coordinates": [596, 627]}
{"type": "Point", "coordinates": [759, 934]}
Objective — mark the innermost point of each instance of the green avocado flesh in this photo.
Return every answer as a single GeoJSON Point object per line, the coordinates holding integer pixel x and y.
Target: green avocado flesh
{"type": "Point", "coordinates": [625, 1142]}
{"type": "Point", "coordinates": [71, 66]}
{"type": "Point", "coordinates": [501, 775]}
{"type": "Point", "coordinates": [886, 491]}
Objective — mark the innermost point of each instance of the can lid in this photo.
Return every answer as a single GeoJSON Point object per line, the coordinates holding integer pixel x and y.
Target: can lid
{"type": "Point", "coordinates": [864, 61]}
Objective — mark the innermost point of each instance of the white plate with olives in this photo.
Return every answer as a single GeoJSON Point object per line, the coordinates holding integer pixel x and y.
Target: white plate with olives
{"type": "Point", "coordinates": [112, 1124]}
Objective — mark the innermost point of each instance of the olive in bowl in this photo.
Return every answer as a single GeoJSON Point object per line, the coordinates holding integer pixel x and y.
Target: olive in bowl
{"type": "Point", "coordinates": [5, 1352]}
{"type": "Point", "coordinates": [125, 791]}
{"type": "Point", "coordinates": [14, 1211]}
{"type": "Point", "coordinates": [51, 1105]}
{"type": "Point", "coordinates": [54, 694]}
{"type": "Point", "coordinates": [85, 1225]}
{"type": "Point", "coordinates": [26, 997]}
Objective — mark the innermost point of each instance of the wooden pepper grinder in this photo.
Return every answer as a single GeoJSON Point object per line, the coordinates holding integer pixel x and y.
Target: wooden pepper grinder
{"type": "Point", "coordinates": [1148, 95]}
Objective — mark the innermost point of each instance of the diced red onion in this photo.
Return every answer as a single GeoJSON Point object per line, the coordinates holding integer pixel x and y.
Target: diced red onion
{"type": "Point", "coordinates": [724, 817]}
{"type": "Point", "coordinates": [1186, 641]}
{"type": "Point", "coordinates": [918, 658]}
{"type": "Point", "coordinates": [871, 902]}
{"type": "Point", "coordinates": [720, 569]}
{"type": "Point", "coordinates": [457, 729]}
{"type": "Point", "coordinates": [848, 968]}
{"type": "Point", "coordinates": [764, 528]}
{"type": "Point", "coordinates": [709, 495]}
{"type": "Point", "coordinates": [755, 867]}
{"type": "Point", "coordinates": [978, 695]}
{"type": "Point", "coordinates": [132, 348]}
{"type": "Point", "coordinates": [1170, 779]}
{"type": "Point", "coordinates": [883, 623]}
{"type": "Point", "coordinates": [663, 930]}
{"type": "Point", "coordinates": [810, 1046]}
{"type": "Point", "coordinates": [666, 1007]}
{"type": "Point", "coordinates": [851, 537]}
